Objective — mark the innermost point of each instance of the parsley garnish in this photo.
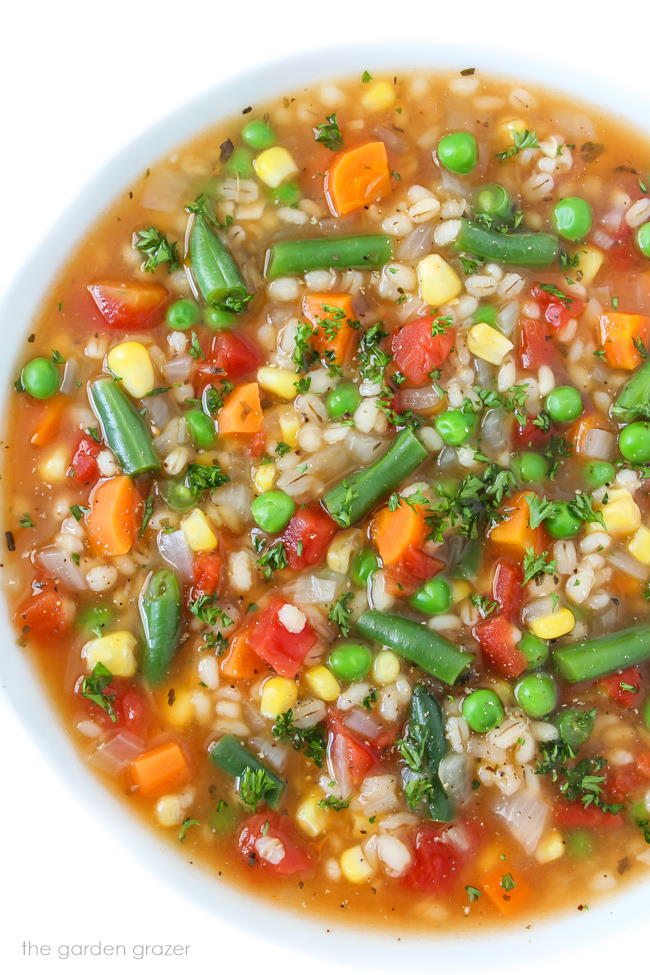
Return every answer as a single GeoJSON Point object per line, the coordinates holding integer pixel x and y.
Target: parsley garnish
{"type": "Point", "coordinates": [311, 741]}
{"type": "Point", "coordinates": [563, 298]}
{"type": "Point", "coordinates": [158, 249]}
{"type": "Point", "coordinates": [93, 688]}
{"type": "Point", "coordinates": [520, 141]}
{"type": "Point", "coordinates": [205, 609]}
{"type": "Point", "coordinates": [537, 565]}
{"type": "Point", "coordinates": [282, 448]}
{"type": "Point", "coordinates": [372, 359]}
{"type": "Point", "coordinates": [77, 511]}
{"type": "Point", "coordinates": [146, 514]}
{"type": "Point", "coordinates": [340, 613]}
{"type": "Point", "coordinates": [507, 882]}
{"type": "Point", "coordinates": [275, 557]}
{"type": "Point", "coordinates": [57, 358]}
{"type": "Point", "coordinates": [473, 893]}
{"type": "Point", "coordinates": [329, 133]}
{"type": "Point", "coordinates": [331, 802]}
{"type": "Point", "coordinates": [201, 478]}
{"type": "Point", "coordinates": [187, 823]}
{"type": "Point", "coordinates": [25, 521]}
{"type": "Point", "coordinates": [485, 605]}
{"type": "Point", "coordinates": [253, 785]}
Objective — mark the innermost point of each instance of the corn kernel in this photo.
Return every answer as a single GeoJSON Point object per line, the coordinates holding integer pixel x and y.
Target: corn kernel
{"type": "Point", "coordinates": [489, 857]}
{"type": "Point", "coordinates": [554, 625]}
{"type": "Point", "coordinates": [340, 551]}
{"type": "Point", "coordinates": [550, 847]}
{"type": "Point", "coordinates": [311, 818]}
{"type": "Point", "coordinates": [289, 426]}
{"type": "Point", "coordinates": [181, 711]}
{"type": "Point", "coordinates": [280, 382]}
{"type": "Point", "coordinates": [322, 683]}
{"type": "Point", "coordinates": [460, 590]}
{"type": "Point", "coordinates": [378, 96]}
{"type": "Point", "coordinates": [385, 667]}
{"type": "Point", "coordinates": [274, 165]}
{"type": "Point", "coordinates": [279, 694]}
{"type": "Point", "coordinates": [621, 514]}
{"type": "Point", "coordinates": [354, 865]}
{"type": "Point", "coordinates": [639, 545]}
{"type": "Point", "coordinates": [169, 811]}
{"type": "Point", "coordinates": [488, 343]}
{"type": "Point", "coordinates": [362, 828]}
{"type": "Point", "coordinates": [264, 478]}
{"type": "Point", "coordinates": [507, 130]}
{"type": "Point", "coordinates": [198, 532]}
{"type": "Point", "coordinates": [438, 281]}
{"type": "Point", "coordinates": [132, 363]}
{"type": "Point", "coordinates": [590, 261]}
{"type": "Point", "coordinates": [52, 469]}
{"type": "Point", "coordinates": [116, 651]}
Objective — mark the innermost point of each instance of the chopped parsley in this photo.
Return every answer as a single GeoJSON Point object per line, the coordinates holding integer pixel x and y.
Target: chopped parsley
{"type": "Point", "coordinates": [329, 134]}
{"type": "Point", "coordinates": [485, 605]}
{"type": "Point", "coordinates": [93, 689]}
{"type": "Point", "coordinates": [200, 478]}
{"type": "Point", "coordinates": [341, 614]}
{"type": "Point", "coordinates": [473, 893]}
{"type": "Point", "coordinates": [536, 566]}
{"type": "Point", "coordinates": [275, 557]}
{"type": "Point", "coordinates": [187, 823]}
{"type": "Point", "coordinates": [157, 248]}
{"type": "Point", "coordinates": [282, 448]}
{"type": "Point", "coordinates": [331, 802]}
{"type": "Point", "coordinates": [78, 511]}
{"type": "Point", "coordinates": [206, 610]}
{"type": "Point", "coordinates": [310, 741]}
{"type": "Point", "coordinates": [25, 521]}
{"type": "Point", "coordinates": [520, 141]}
{"type": "Point", "coordinates": [254, 785]}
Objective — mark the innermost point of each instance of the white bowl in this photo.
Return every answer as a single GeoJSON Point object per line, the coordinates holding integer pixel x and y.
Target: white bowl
{"type": "Point", "coordinates": [626, 911]}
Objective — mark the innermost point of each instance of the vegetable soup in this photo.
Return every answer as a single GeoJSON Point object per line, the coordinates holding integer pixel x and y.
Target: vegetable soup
{"type": "Point", "coordinates": [327, 518]}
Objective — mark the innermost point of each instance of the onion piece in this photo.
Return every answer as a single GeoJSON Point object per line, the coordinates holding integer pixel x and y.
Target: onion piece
{"type": "Point", "coordinates": [311, 589]}
{"type": "Point", "coordinates": [59, 565]}
{"type": "Point", "coordinates": [390, 138]}
{"type": "Point", "coordinates": [274, 754]}
{"type": "Point", "coordinates": [525, 815]}
{"type": "Point", "coordinates": [417, 243]}
{"type": "Point", "coordinates": [600, 444]}
{"type": "Point", "coordinates": [174, 549]}
{"type": "Point", "coordinates": [178, 369]}
{"type": "Point", "coordinates": [115, 755]}
{"type": "Point", "coordinates": [159, 410]}
{"type": "Point", "coordinates": [70, 375]}
{"type": "Point", "coordinates": [454, 772]}
{"type": "Point", "coordinates": [418, 399]}
{"type": "Point", "coordinates": [337, 765]}
{"type": "Point", "coordinates": [362, 723]}
{"type": "Point", "coordinates": [626, 563]}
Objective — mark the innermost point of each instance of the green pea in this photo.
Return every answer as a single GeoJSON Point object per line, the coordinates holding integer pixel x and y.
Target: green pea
{"type": "Point", "coordinates": [343, 399]}
{"type": "Point", "coordinates": [94, 619]}
{"type": "Point", "coordinates": [218, 318]}
{"type": "Point", "coordinates": [183, 314]}
{"type": "Point", "coordinates": [646, 713]}
{"type": "Point", "coordinates": [640, 812]}
{"type": "Point", "coordinates": [563, 524]}
{"type": "Point", "coordinates": [634, 442]}
{"type": "Point", "coordinates": [177, 494]}
{"type": "Point", "coordinates": [240, 163]}
{"type": "Point", "coordinates": [258, 135]}
{"type": "Point", "coordinates": [574, 726]}
{"type": "Point", "coordinates": [529, 467]}
{"type": "Point", "coordinates": [202, 429]}
{"type": "Point", "coordinates": [350, 661]}
{"type": "Point", "coordinates": [455, 427]}
{"type": "Point", "coordinates": [286, 195]}
{"type": "Point", "coordinates": [433, 597]}
{"type": "Point", "coordinates": [599, 473]}
{"type": "Point", "coordinates": [534, 649]}
{"type": "Point", "coordinates": [579, 843]}
{"type": "Point", "coordinates": [364, 564]}
{"type": "Point", "coordinates": [458, 152]}
{"type": "Point", "coordinates": [487, 314]}
{"type": "Point", "coordinates": [572, 217]}
{"type": "Point", "coordinates": [564, 404]}
{"type": "Point", "coordinates": [40, 378]}
{"type": "Point", "coordinates": [223, 819]}
{"type": "Point", "coordinates": [643, 239]}
{"type": "Point", "coordinates": [273, 510]}
{"type": "Point", "coordinates": [482, 710]}
{"type": "Point", "coordinates": [494, 200]}
{"type": "Point", "coordinates": [536, 694]}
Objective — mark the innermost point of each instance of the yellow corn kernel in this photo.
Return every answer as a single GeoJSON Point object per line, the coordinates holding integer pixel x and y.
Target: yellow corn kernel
{"type": "Point", "coordinates": [169, 811]}
{"type": "Point", "coordinates": [362, 828]}
{"type": "Point", "coordinates": [385, 667]}
{"type": "Point", "coordinates": [52, 469]}
{"type": "Point", "coordinates": [554, 625]}
{"type": "Point", "coordinates": [116, 651]}
{"type": "Point", "coordinates": [280, 382]}
{"type": "Point", "coordinates": [340, 550]}
{"type": "Point", "coordinates": [488, 343]}
{"type": "Point", "coordinates": [639, 545]}
{"type": "Point", "coordinates": [590, 261]}
{"type": "Point", "coordinates": [621, 514]}
{"type": "Point", "coordinates": [378, 96]}
{"type": "Point", "coordinates": [354, 865]}
{"type": "Point", "coordinates": [279, 694]}
{"type": "Point", "coordinates": [322, 683]}
{"type": "Point", "coordinates": [264, 478]}
{"type": "Point", "coordinates": [507, 130]}
{"type": "Point", "coordinates": [289, 426]}
{"type": "Point", "coordinates": [198, 531]}
{"type": "Point", "coordinates": [181, 711]}
{"type": "Point", "coordinates": [550, 847]}
{"type": "Point", "coordinates": [274, 165]}
{"type": "Point", "coordinates": [460, 590]}
{"type": "Point", "coordinates": [311, 818]}
{"type": "Point", "coordinates": [132, 363]}
{"type": "Point", "coordinates": [438, 281]}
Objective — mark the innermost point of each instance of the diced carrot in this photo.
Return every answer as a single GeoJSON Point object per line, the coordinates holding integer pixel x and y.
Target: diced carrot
{"type": "Point", "coordinates": [394, 532]}
{"type": "Point", "coordinates": [642, 760]}
{"type": "Point", "coordinates": [618, 332]}
{"type": "Point", "coordinates": [240, 662]}
{"type": "Point", "coordinates": [112, 523]}
{"type": "Point", "coordinates": [509, 901]}
{"type": "Point", "coordinates": [160, 769]}
{"type": "Point", "coordinates": [513, 534]}
{"type": "Point", "coordinates": [242, 411]}
{"type": "Point", "coordinates": [357, 177]}
{"type": "Point", "coordinates": [335, 323]}
{"type": "Point", "coordinates": [48, 422]}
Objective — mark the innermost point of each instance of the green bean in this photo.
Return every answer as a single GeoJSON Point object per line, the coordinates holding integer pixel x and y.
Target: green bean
{"type": "Point", "coordinates": [603, 655]}
{"type": "Point", "coordinates": [160, 613]}
{"type": "Point", "coordinates": [526, 250]}
{"type": "Point", "coordinates": [290, 257]}
{"type": "Point", "coordinates": [634, 398]}
{"type": "Point", "coordinates": [233, 759]}
{"type": "Point", "coordinates": [426, 736]}
{"type": "Point", "coordinates": [423, 647]}
{"type": "Point", "coordinates": [353, 498]}
{"type": "Point", "coordinates": [123, 428]}
{"type": "Point", "coordinates": [214, 268]}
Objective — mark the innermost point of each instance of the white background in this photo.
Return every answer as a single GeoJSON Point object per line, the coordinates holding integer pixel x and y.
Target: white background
{"type": "Point", "coordinates": [78, 81]}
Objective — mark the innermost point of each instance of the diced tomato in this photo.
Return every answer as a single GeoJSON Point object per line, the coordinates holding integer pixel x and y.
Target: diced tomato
{"type": "Point", "coordinates": [307, 536]}
{"type": "Point", "coordinates": [136, 304]}
{"type": "Point", "coordinates": [416, 351]}
{"type": "Point", "coordinates": [256, 444]}
{"type": "Point", "coordinates": [206, 571]}
{"type": "Point", "coordinates": [275, 645]}
{"type": "Point", "coordinates": [131, 709]}
{"type": "Point", "coordinates": [360, 756]}
{"type": "Point", "coordinates": [256, 832]}
{"type": "Point", "coordinates": [536, 345]}
{"type": "Point", "coordinates": [623, 254]}
{"type": "Point", "coordinates": [230, 356]}
{"type": "Point", "coordinates": [556, 312]}
{"type": "Point", "coordinates": [83, 466]}
{"type": "Point", "coordinates": [530, 436]}
{"type": "Point", "coordinates": [508, 588]}
{"type": "Point", "coordinates": [624, 687]}
{"type": "Point", "coordinates": [496, 637]}
{"type": "Point", "coordinates": [642, 761]}
{"type": "Point", "coordinates": [435, 862]}
{"type": "Point", "coordinates": [573, 815]}
{"type": "Point", "coordinates": [622, 781]}
{"type": "Point", "coordinates": [408, 575]}
{"type": "Point", "coordinates": [47, 613]}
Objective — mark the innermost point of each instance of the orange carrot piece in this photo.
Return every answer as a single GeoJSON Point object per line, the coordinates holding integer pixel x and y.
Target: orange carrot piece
{"type": "Point", "coordinates": [395, 532]}
{"type": "Point", "coordinates": [241, 411]}
{"type": "Point", "coordinates": [331, 315]}
{"type": "Point", "coordinates": [112, 522]}
{"type": "Point", "coordinates": [357, 177]}
{"type": "Point", "coordinates": [160, 769]}
{"type": "Point", "coordinates": [514, 534]}
{"type": "Point", "coordinates": [508, 901]}
{"type": "Point", "coordinates": [48, 422]}
{"type": "Point", "coordinates": [618, 332]}
{"type": "Point", "coordinates": [240, 662]}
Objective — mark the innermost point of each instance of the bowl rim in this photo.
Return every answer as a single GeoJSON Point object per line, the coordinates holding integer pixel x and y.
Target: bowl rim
{"type": "Point", "coordinates": [21, 683]}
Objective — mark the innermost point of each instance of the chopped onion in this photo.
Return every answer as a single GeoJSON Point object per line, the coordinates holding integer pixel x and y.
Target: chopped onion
{"type": "Point", "coordinates": [418, 399]}
{"type": "Point", "coordinates": [178, 369]}
{"type": "Point", "coordinates": [416, 244]}
{"type": "Point", "coordinates": [174, 549]}
{"type": "Point", "coordinates": [175, 433]}
{"type": "Point", "coordinates": [271, 752]}
{"type": "Point", "coordinates": [626, 563]}
{"type": "Point", "coordinates": [362, 723]}
{"type": "Point", "coordinates": [365, 447]}
{"type": "Point", "coordinates": [507, 317]}
{"type": "Point", "coordinates": [600, 444]}
{"type": "Point", "coordinates": [454, 772]}
{"type": "Point", "coordinates": [234, 495]}
{"type": "Point", "coordinates": [390, 138]}
{"type": "Point", "coordinates": [115, 755]}
{"type": "Point", "coordinates": [70, 375]}
{"type": "Point", "coordinates": [495, 430]}
{"type": "Point", "coordinates": [575, 126]}
{"type": "Point", "coordinates": [525, 816]}
{"type": "Point", "coordinates": [59, 565]}
{"type": "Point", "coordinates": [458, 836]}
{"type": "Point", "coordinates": [165, 189]}
{"type": "Point", "coordinates": [338, 767]}
{"type": "Point", "coordinates": [159, 410]}
{"type": "Point", "coordinates": [602, 240]}
{"type": "Point", "coordinates": [316, 589]}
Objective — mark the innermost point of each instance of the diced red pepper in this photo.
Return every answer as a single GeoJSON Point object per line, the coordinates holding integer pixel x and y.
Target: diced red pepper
{"type": "Point", "coordinates": [625, 687]}
{"type": "Point", "coordinates": [508, 588]}
{"type": "Point", "coordinates": [83, 466]}
{"type": "Point", "coordinates": [416, 351]}
{"type": "Point", "coordinates": [496, 637]}
{"type": "Point", "coordinates": [275, 645]}
{"type": "Point", "coordinates": [229, 356]}
{"type": "Point", "coordinates": [361, 756]}
{"type": "Point", "coordinates": [136, 304]}
{"type": "Point", "coordinates": [416, 567]}
{"type": "Point", "coordinates": [573, 815]}
{"type": "Point", "coordinates": [536, 345]}
{"type": "Point", "coordinates": [206, 571]}
{"type": "Point", "coordinates": [436, 863]}
{"type": "Point", "coordinates": [47, 613]}
{"type": "Point", "coordinates": [307, 536]}
{"type": "Point", "coordinates": [258, 830]}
